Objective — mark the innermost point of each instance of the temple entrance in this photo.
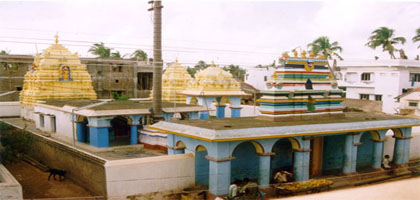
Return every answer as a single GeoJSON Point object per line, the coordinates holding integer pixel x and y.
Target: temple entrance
{"type": "Point", "coordinates": [246, 162]}
{"type": "Point", "coordinates": [120, 132]}
{"type": "Point", "coordinates": [333, 154]}
{"type": "Point", "coordinates": [283, 158]}
{"type": "Point", "coordinates": [365, 152]}
{"type": "Point", "coordinates": [86, 130]}
{"type": "Point", "coordinates": [201, 166]}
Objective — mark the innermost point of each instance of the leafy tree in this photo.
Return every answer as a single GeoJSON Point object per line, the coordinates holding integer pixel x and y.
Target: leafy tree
{"type": "Point", "coordinates": [329, 50]}
{"type": "Point", "coordinates": [100, 50]}
{"type": "Point", "coordinates": [14, 143]}
{"type": "Point", "coordinates": [199, 66]}
{"type": "Point", "coordinates": [236, 71]}
{"type": "Point", "coordinates": [384, 37]}
{"type": "Point", "coordinates": [139, 55]}
{"type": "Point", "coordinates": [417, 37]}
{"type": "Point", "coordinates": [3, 52]}
{"type": "Point", "coordinates": [116, 54]}
{"type": "Point", "coordinates": [120, 97]}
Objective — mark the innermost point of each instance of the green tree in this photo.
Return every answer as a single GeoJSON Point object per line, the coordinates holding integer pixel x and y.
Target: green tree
{"type": "Point", "coordinates": [329, 50]}
{"type": "Point", "coordinates": [237, 72]}
{"type": "Point", "coordinates": [197, 67]}
{"type": "Point", "coordinates": [139, 55]}
{"type": "Point", "coordinates": [384, 37]}
{"type": "Point", "coordinates": [15, 143]}
{"type": "Point", "coordinates": [417, 37]}
{"type": "Point", "coordinates": [116, 54]}
{"type": "Point", "coordinates": [100, 50]}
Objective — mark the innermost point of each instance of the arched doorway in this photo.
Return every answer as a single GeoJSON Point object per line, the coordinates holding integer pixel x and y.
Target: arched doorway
{"type": "Point", "coordinates": [283, 158]}
{"type": "Point", "coordinates": [120, 132]}
{"type": "Point", "coordinates": [201, 166]}
{"type": "Point", "coordinates": [246, 162]}
{"type": "Point", "coordinates": [180, 147]}
{"type": "Point", "coordinates": [365, 152]}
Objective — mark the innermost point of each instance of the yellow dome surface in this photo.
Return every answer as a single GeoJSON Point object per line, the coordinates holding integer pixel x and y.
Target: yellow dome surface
{"type": "Point", "coordinates": [175, 80]}
{"type": "Point", "coordinates": [214, 81]}
{"type": "Point", "coordinates": [56, 74]}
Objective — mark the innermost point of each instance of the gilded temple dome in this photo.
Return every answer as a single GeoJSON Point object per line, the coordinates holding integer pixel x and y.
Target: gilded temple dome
{"type": "Point", "coordinates": [175, 80]}
{"type": "Point", "coordinates": [56, 74]}
{"type": "Point", "coordinates": [214, 81]}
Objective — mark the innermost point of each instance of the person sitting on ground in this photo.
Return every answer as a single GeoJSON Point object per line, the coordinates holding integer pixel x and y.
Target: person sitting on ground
{"type": "Point", "coordinates": [385, 162]}
{"type": "Point", "coordinates": [283, 176]}
{"type": "Point", "coordinates": [250, 190]}
{"type": "Point", "coordinates": [233, 189]}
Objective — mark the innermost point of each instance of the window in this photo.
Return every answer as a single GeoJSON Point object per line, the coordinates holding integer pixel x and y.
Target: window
{"type": "Point", "coordinates": [364, 96]}
{"type": "Point", "coordinates": [265, 78]}
{"type": "Point", "coordinates": [144, 80]}
{"type": "Point", "coordinates": [378, 97]}
{"type": "Point", "coordinates": [365, 76]}
{"type": "Point", "coordinates": [41, 120]}
{"type": "Point", "coordinates": [412, 104]}
{"type": "Point", "coordinates": [414, 77]}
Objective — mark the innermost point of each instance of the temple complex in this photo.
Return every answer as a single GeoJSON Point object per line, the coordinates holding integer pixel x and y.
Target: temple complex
{"type": "Point", "coordinates": [302, 129]}
{"type": "Point", "coordinates": [175, 79]}
{"type": "Point", "coordinates": [55, 74]}
{"type": "Point", "coordinates": [215, 84]}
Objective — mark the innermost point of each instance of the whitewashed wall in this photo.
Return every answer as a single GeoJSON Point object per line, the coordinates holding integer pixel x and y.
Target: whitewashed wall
{"type": "Point", "coordinates": [9, 186]}
{"type": "Point", "coordinates": [246, 111]}
{"type": "Point", "coordinates": [9, 109]}
{"type": "Point", "coordinates": [152, 174]}
{"type": "Point", "coordinates": [62, 120]}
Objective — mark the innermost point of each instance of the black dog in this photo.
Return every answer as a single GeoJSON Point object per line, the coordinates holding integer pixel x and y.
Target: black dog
{"type": "Point", "coordinates": [60, 173]}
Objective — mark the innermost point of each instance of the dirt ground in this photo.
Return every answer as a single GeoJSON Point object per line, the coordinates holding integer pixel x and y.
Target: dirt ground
{"type": "Point", "coordinates": [35, 184]}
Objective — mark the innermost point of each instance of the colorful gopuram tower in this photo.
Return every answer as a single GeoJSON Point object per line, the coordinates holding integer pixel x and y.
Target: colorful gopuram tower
{"type": "Point", "coordinates": [175, 80]}
{"type": "Point", "coordinates": [215, 84]}
{"type": "Point", "coordinates": [55, 74]}
{"type": "Point", "coordinates": [301, 85]}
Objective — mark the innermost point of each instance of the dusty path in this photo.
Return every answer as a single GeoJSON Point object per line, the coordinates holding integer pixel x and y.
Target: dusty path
{"type": "Point", "coordinates": [35, 183]}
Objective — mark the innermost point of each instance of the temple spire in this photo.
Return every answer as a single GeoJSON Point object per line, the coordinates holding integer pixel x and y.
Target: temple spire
{"type": "Point", "coordinates": [56, 38]}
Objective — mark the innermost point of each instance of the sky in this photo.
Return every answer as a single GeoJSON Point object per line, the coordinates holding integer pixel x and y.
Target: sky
{"type": "Point", "coordinates": [245, 33]}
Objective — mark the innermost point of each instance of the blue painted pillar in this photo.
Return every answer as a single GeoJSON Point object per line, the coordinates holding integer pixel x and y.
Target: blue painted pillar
{"type": "Point", "coordinates": [81, 134]}
{"type": "Point", "coordinates": [402, 147]}
{"type": "Point", "coordinates": [264, 170]}
{"type": "Point", "coordinates": [193, 115]}
{"type": "Point", "coordinates": [301, 166]}
{"type": "Point", "coordinates": [235, 112]}
{"type": "Point", "coordinates": [135, 121]}
{"type": "Point", "coordinates": [220, 111]}
{"type": "Point", "coordinates": [204, 114]}
{"type": "Point", "coordinates": [378, 147]}
{"type": "Point", "coordinates": [99, 137]}
{"type": "Point", "coordinates": [350, 153]}
{"type": "Point", "coordinates": [219, 179]}
{"type": "Point", "coordinates": [171, 143]}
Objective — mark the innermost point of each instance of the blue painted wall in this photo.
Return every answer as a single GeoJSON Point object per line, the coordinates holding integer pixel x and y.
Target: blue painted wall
{"type": "Point", "coordinates": [333, 154]}
{"type": "Point", "coordinates": [201, 168]}
{"type": "Point", "coordinates": [283, 160]}
{"type": "Point", "coordinates": [365, 151]}
{"type": "Point", "coordinates": [245, 164]}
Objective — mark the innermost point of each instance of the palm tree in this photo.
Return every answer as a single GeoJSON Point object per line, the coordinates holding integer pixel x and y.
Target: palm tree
{"type": "Point", "coordinates": [237, 72]}
{"type": "Point", "coordinates": [100, 50]}
{"type": "Point", "coordinates": [383, 36]}
{"type": "Point", "coordinates": [322, 45]}
{"type": "Point", "coordinates": [139, 55]}
{"type": "Point", "coordinates": [116, 54]}
{"type": "Point", "coordinates": [417, 37]}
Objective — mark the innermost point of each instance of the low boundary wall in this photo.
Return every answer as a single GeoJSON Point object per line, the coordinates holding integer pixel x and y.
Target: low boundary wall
{"type": "Point", "coordinates": [9, 186]}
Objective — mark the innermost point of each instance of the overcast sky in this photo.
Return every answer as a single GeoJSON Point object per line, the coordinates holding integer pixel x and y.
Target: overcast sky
{"type": "Point", "coordinates": [246, 33]}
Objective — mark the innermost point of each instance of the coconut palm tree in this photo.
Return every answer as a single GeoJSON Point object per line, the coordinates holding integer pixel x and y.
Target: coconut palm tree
{"type": "Point", "coordinates": [417, 37]}
{"type": "Point", "coordinates": [100, 50]}
{"type": "Point", "coordinates": [139, 55]}
{"type": "Point", "coordinates": [384, 37]}
{"type": "Point", "coordinates": [322, 45]}
{"type": "Point", "coordinates": [116, 54]}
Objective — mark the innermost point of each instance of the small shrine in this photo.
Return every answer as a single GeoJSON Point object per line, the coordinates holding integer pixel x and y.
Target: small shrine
{"type": "Point", "coordinates": [215, 84]}
{"type": "Point", "coordinates": [175, 79]}
{"type": "Point", "coordinates": [301, 85]}
{"type": "Point", "coordinates": [55, 74]}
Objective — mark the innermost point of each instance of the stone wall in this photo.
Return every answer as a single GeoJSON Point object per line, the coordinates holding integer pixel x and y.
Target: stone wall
{"type": "Point", "coordinates": [9, 109]}
{"type": "Point", "coordinates": [82, 168]}
{"type": "Point", "coordinates": [151, 174]}
{"type": "Point", "coordinates": [9, 186]}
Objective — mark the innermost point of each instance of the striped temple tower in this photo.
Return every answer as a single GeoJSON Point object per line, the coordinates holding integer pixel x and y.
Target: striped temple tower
{"type": "Point", "coordinates": [299, 86]}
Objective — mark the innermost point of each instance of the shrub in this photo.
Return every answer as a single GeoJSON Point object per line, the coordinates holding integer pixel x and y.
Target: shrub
{"type": "Point", "coordinates": [15, 143]}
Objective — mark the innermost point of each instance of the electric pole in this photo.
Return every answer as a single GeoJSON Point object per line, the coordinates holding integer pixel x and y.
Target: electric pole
{"type": "Point", "coordinates": [157, 58]}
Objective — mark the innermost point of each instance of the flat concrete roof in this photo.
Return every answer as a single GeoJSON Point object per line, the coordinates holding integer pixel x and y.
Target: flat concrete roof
{"type": "Point", "coordinates": [244, 128]}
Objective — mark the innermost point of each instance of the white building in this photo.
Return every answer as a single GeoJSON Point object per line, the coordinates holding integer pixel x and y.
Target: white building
{"type": "Point", "coordinates": [258, 76]}
{"type": "Point", "coordinates": [379, 80]}
{"type": "Point", "coordinates": [409, 102]}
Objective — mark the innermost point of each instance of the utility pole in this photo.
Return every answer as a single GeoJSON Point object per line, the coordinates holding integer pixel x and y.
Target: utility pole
{"type": "Point", "coordinates": [157, 58]}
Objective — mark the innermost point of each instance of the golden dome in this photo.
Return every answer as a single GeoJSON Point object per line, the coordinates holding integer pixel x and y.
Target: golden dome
{"type": "Point", "coordinates": [175, 80]}
{"type": "Point", "coordinates": [56, 74]}
{"type": "Point", "coordinates": [214, 81]}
